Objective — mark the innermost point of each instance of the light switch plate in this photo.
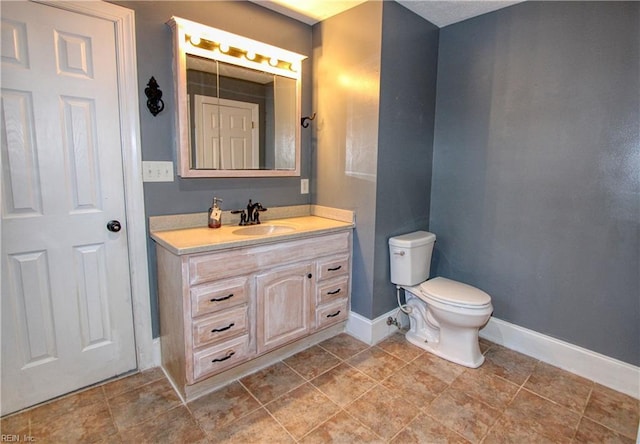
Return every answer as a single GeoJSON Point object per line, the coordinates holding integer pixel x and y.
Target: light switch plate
{"type": "Point", "coordinates": [157, 171]}
{"type": "Point", "coordinates": [304, 186]}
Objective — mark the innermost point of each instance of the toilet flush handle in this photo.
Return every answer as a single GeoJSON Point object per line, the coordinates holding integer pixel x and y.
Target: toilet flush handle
{"type": "Point", "coordinates": [399, 254]}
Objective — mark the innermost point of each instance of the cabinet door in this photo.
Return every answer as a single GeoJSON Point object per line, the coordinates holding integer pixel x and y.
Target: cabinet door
{"type": "Point", "coordinates": [284, 309]}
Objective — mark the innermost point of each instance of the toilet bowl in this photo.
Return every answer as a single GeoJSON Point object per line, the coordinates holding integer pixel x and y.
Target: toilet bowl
{"type": "Point", "coordinates": [445, 315]}
{"type": "Point", "coordinates": [447, 324]}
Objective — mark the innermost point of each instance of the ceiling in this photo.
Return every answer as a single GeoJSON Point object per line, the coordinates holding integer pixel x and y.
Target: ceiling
{"type": "Point", "coordinates": [439, 12]}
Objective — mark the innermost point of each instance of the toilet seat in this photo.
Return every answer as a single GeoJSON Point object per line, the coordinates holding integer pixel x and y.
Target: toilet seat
{"type": "Point", "coordinates": [453, 293]}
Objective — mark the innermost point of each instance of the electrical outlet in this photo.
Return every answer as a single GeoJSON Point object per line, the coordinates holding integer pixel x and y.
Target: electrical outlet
{"type": "Point", "coordinates": [155, 171]}
{"type": "Point", "coordinates": [304, 186]}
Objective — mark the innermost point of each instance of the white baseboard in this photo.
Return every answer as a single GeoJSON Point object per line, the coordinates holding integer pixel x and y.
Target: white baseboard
{"type": "Point", "coordinates": [156, 356]}
{"type": "Point", "coordinates": [599, 368]}
{"type": "Point", "coordinates": [602, 369]}
{"type": "Point", "coordinates": [370, 331]}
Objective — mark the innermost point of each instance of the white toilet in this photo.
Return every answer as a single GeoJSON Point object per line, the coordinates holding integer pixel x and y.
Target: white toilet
{"type": "Point", "coordinates": [444, 315]}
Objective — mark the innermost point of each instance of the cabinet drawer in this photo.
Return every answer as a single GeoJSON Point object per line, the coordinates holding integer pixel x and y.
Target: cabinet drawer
{"type": "Point", "coordinates": [225, 264]}
{"type": "Point", "coordinates": [332, 266]}
{"type": "Point", "coordinates": [216, 296]}
{"type": "Point", "coordinates": [215, 359]}
{"type": "Point", "coordinates": [328, 291]}
{"type": "Point", "coordinates": [223, 325]}
{"type": "Point", "coordinates": [332, 313]}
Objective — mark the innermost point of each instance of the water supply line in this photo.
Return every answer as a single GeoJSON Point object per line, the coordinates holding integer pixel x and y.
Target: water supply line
{"type": "Point", "coordinates": [405, 308]}
{"type": "Point", "coordinates": [393, 320]}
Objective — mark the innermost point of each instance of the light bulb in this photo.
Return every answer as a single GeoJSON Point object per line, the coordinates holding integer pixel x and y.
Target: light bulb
{"type": "Point", "coordinates": [273, 61]}
{"type": "Point", "coordinates": [250, 55]}
{"type": "Point", "coordinates": [195, 40]}
{"type": "Point", "coordinates": [224, 47]}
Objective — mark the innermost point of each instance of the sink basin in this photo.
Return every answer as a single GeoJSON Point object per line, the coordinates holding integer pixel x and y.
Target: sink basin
{"type": "Point", "coordinates": [264, 229]}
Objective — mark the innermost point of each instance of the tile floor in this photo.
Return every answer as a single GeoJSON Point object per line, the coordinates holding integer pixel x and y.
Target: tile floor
{"type": "Point", "coordinates": [343, 391]}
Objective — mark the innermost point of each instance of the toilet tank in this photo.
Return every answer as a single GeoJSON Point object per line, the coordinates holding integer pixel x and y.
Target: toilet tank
{"type": "Point", "coordinates": [410, 257]}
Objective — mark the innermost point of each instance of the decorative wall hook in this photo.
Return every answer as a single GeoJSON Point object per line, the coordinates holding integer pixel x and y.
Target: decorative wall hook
{"type": "Point", "coordinates": [305, 120]}
{"type": "Point", "coordinates": [154, 97]}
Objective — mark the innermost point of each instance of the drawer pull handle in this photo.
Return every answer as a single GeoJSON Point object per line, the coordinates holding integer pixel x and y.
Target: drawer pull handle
{"type": "Point", "coordinates": [221, 299]}
{"type": "Point", "coordinates": [335, 268]}
{"type": "Point", "coordinates": [217, 330]}
{"type": "Point", "coordinates": [334, 314]}
{"type": "Point", "coordinates": [231, 353]}
{"type": "Point", "coordinates": [334, 291]}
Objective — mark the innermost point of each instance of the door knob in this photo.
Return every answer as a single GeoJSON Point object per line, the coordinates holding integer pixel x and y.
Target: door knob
{"type": "Point", "coordinates": [114, 225]}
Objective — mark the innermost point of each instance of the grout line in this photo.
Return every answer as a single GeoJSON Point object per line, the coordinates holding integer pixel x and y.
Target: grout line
{"type": "Point", "coordinates": [110, 410]}
{"type": "Point", "coordinates": [361, 423]}
{"type": "Point", "coordinates": [444, 425]}
{"type": "Point", "coordinates": [313, 428]}
{"type": "Point", "coordinates": [136, 387]}
{"type": "Point", "coordinates": [584, 409]}
{"type": "Point", "coordinates": [340, 410]}
{"type": "Point", "coordinates": [347, 358]}
{"type": "Point", "coordinates": [404, 426]}
{"type": "Point", "coordinates": [552, 401]}
{"type": "Point", "coordinates": [204, 432]}
{"type": "Point", "coordinates": [304, 381]}
{"type": "Point", "coordinates": [260, 403]}
{"type": "Point", "coordinates": [586, 404]}
{"type": "Point", "coordinates": [251, 411]}
{"type": "Point", "coordinates": [314, 377]}
{"type": "Point", "coordinates": [279, 423]}
{"type": "Point", "coordinates": [330, 417]}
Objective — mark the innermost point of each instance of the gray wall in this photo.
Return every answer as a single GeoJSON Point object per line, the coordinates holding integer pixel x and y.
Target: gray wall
{"type": "Point", "coordinates": [154, 52]}
{"type": "Point", "coordinates": [374, 91]}
{"type": "Point", "coordinates": [535, 194]}
{"type": "Point", "coordinates": [405, 137]}
{"type": "Point", "coordinates": [346, 78]}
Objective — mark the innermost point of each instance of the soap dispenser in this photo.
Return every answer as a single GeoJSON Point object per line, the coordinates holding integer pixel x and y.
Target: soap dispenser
{"type": "Point", "coordinates": [215, 214]}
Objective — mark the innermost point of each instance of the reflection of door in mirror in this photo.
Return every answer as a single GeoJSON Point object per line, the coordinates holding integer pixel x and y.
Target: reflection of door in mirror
{"type": "Point", "coordinates": [226, 133]}
{"type": "Point", "coordinates": [224, 91]}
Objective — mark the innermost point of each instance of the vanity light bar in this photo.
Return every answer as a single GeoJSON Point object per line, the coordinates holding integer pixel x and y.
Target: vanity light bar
{"type": "Point", "coordinates": [208, 42]}
{"type": "Point", "coordinates": [232, 51]}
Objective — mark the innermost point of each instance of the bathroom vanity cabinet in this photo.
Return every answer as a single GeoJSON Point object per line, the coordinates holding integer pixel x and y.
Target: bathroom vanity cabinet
{"type": "Point", "coordinates": [223, 308]}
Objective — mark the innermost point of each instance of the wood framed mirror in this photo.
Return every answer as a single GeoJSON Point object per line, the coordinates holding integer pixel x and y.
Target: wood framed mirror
{"type": "Point", "coordinates": [238, 104]}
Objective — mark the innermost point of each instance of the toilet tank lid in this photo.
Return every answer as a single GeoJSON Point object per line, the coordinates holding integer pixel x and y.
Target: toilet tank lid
{"type": "Point", "coordinates": [446, 290]}
{"type": "Point", "coordinates": [415, 239]}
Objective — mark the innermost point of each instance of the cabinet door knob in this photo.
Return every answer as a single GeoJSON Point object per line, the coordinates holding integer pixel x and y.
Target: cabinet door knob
{"type": "Point", "coordinates": [309, 275]}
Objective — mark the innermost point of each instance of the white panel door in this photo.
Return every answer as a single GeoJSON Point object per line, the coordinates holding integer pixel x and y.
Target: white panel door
{"type": "Point", "coordinates": [66, 297]}
{"type": "Point", "coordinates": [236, 139]}
{"type": "Point", "coordinates": [226, 134]}
{"type": "Point", "coordinates": [207, 128]}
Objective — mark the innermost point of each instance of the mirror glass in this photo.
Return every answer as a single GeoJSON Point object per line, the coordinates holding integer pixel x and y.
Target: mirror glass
{"type": "Point", "coordinates": [237, 104]}
{"type": "Point", "coordinates": [240, 118]}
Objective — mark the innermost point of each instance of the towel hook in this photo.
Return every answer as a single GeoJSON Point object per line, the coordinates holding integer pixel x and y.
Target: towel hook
{"type": "Point", "coordinates": [305, 120]}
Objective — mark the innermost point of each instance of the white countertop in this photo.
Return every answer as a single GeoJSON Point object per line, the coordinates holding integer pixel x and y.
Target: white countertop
{"type": "Point", "coordinates": [204, 239]}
